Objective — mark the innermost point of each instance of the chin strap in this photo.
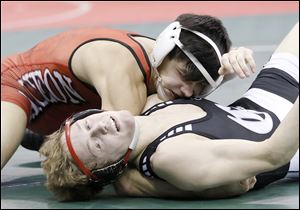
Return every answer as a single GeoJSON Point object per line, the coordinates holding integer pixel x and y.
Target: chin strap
{"type": "Point", "coordinates": [158, 85]}
{"type": "Point", "coordinates": [134, 141]}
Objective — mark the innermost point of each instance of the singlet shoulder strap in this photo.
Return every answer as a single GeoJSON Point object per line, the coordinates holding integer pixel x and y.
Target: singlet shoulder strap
{"type": "Point", "coordinates": [141, 56]}
{"type": "Point", "coordinates": [193, 100]}
{"type": "Point", "coordinates": [144, 164]}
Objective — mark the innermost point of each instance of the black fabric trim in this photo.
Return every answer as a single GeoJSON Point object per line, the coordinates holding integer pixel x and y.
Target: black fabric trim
{"type": "Point", "coordinates": [151, 148]}
{"type": "Point", "coordinates": [145, 54]}
{"type": "Point", "coordinates": [267, 178]}
{"type": "Point", "coordinates": [285, 86]}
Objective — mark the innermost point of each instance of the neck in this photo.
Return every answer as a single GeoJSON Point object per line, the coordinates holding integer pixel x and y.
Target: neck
{"type": "Point", "coordinates": [159, 122]}
{"type": "Point", "coordinates": [146, 135]}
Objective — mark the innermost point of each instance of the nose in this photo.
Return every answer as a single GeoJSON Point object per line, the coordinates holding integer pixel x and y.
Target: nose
{"type": "Point", "coordinates": [98, 128]}
{"type": "Point", "coordinates": [187, 90]}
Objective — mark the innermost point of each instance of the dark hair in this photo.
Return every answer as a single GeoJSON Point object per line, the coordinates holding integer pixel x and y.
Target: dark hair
{"type": "Point", "coordinates": [203, 51]}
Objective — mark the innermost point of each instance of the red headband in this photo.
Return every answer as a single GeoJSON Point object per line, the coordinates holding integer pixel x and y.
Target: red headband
{"type": "Point", "coordinates": [78, 162]}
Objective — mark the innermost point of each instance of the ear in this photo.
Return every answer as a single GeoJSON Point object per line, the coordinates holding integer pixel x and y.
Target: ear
{"type": "Point", "coordinates": [165, 43]}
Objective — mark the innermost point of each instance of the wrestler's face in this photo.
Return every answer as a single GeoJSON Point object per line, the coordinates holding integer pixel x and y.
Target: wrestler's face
{"type": "Point", "coordinates": [102, 137]}
{"type": "Point", "coordinates": [172, 81]}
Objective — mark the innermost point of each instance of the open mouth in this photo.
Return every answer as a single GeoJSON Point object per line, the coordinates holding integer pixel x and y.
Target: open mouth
{"type": "Point", "coordinates": [114, 123]}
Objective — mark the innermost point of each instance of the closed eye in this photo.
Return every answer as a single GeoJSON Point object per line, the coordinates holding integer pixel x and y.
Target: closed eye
{"type": "Point", "coordinates": [98, 146]}
{"type": "Point", "coordinates": [181, 72]}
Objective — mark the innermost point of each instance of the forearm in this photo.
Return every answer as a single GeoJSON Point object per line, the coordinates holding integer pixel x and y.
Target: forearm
{"type": "Point", "coordinates": [132, 183]}
{"type": "Point", "coordinates": [228, 190]}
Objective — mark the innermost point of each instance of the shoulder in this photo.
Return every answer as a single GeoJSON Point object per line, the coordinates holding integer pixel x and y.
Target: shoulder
{"type": "Point", "coordinates": [151, 101]}
{"type": "Point", "coordinates": [102, 58]}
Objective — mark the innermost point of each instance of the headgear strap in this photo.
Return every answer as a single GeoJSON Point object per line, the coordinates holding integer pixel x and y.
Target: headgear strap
{"type": "Point", "coordinates": [167, 40]}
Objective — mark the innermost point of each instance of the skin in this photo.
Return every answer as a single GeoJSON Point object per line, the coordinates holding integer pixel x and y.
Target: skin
{"type": "Point", "coordinates": [12, 118]}
{"type": "Point", "coordinates": [259, 157]}
{"type": "Point", "coordinates": [174, 84]}
{"type": "Point", "coordinates": [102, 136]}
{"type": "Point", "coordinates": [239, 61]}
{"type": "Point", "coordinates": [104, 74]}
{"type": "Point", "coordinates": [132, 183]}
{"type": "Point", "coordinates": [287, 45]}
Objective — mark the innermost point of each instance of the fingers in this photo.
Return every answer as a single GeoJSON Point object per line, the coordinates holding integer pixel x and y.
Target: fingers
{"type": "Point", "coordinates": [239, 61]}
{"type": "Point", "coordinates": [226, 67]}
{"type": "Point", "coordinates": [238, 64]}
{"type": "Point", "coordinates": [248, 184]}
{"type": "Point", "coordinates": [250, 60]}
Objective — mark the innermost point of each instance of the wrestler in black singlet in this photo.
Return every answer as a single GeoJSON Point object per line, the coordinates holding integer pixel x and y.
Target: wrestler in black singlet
{"type": "Point", "coordinates": [254, 117]}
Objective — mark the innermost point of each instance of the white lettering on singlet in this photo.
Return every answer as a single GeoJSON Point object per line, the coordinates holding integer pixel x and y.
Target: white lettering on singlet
{"type": "Point", "coordinates": [258, 122]}
{"type": "Point", "coordinates": [49, 88]}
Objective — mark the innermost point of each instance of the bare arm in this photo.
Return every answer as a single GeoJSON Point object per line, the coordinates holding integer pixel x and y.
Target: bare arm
{"type": "Point", "coordinates": [151, 101]}
{"type": "Point", "coordinates": [13, 124]}
{"type": "Point", "coordinates": [113, 71]}
{"type": "Point", "coordinates": [202, 164]}
{"type": "Point", "coordinates": [220, 162]}
{"type": "Point", "coordinates": [121, 89]}
{"type": "Point", "coordinates": [290, 43]}
{"type": "Point", "coordinates": [132, 183]}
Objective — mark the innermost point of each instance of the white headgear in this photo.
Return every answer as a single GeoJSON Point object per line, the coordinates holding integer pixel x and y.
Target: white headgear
{"type": "Point", "coordinates": [167, 40]}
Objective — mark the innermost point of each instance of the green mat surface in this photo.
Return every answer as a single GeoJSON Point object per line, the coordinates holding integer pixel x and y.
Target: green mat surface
{"type": "Point", "coordinates": [29, 192]}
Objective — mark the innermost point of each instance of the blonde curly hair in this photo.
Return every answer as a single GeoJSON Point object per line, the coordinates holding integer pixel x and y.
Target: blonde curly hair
{"type": "Point", "coordinates": [64, 179]}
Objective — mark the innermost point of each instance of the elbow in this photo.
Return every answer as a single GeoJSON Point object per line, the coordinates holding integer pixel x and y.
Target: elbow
{"type": "Point", "coordinates": [277, 159]}
{"type": "Point", "coordinates": [273, 156]}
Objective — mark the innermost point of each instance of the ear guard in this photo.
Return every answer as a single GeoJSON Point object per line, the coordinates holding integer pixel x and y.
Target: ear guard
{"type": "Point", "coordinates": [166, 42]}
{"type": "Point", "coordinates": [108, 174]}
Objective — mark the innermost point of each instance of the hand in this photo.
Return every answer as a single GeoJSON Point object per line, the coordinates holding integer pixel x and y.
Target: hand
{"type": "Point", "coordinates": [248, 184]}
{"type": "Point", "coordinates": [229, 190]}
{"type": "Point", "coordinates": [236, 60]}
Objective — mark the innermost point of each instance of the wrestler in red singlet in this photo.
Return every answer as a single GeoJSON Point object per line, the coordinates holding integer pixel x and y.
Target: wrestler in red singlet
{"type": "Point", "coordinates": [42, 83]}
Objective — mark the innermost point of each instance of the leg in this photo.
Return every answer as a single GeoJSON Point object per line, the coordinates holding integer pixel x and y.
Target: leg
{"type": "Point", "coordinates": [13, 124]}
{"type": "Point", "coordinates": [294, 167]}
{"type": "Point", "coordinates": [290, 44]}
